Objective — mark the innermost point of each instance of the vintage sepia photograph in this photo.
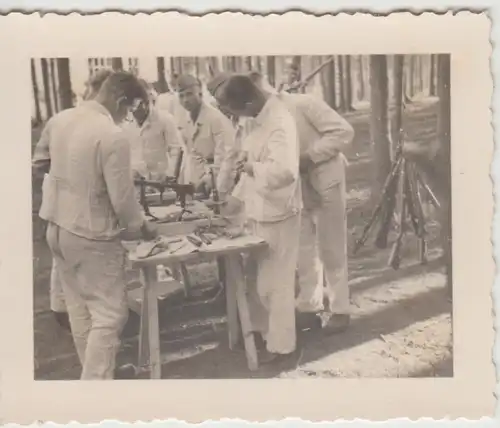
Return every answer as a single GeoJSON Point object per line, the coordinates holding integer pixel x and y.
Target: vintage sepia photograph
{"type": "Point", "coordinates": [205, 208]}
{"type": "Point", "coordinates": [291, 216]}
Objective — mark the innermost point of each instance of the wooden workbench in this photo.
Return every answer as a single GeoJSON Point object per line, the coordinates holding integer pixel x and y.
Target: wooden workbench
{"type": "Point", "coordinates": [238, 317]}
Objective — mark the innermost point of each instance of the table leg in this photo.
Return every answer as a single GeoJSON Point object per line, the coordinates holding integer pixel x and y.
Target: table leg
{"type": "Point", "coordinates": [237, 275]}
{"type": "Point", "coordinates": [233, 323]}
{"type": "Point", "coordinates": [149, 338]}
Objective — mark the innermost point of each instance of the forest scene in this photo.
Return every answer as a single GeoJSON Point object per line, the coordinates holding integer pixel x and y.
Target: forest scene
{"type": "Point", "coordinates": [399, 261]}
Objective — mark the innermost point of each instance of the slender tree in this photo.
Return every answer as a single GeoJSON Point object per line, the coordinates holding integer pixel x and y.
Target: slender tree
{"type": "Point", "coordinates": [328, 79]}
{"type": "Point", "coordinates": [65, 90]}
{"type": "Point", "coordinates": [362, 88]}
{"type": "Point", "coordinates": [396, 123]}
{"type": "Point", "coordinates": [432, 85]}
{"type": "Point", "coordinates": [46, 87]}
{"type": "Point", "coordinates": [271, 70]}
{"type": "Point", "coordinates": [38, 113]}
{"type": "Point", "coordinates": [54, 84]}
{"type": "Point", "coordinates": [160, 71]}
{"type": "Point", "coordinates": [348, 84]}
{"type": "Point", "coordinates": [117, 63]}
{"type": "Point", "coordinates": [379, 127]}
{"type": "Point", "coordinates": [248, 63]}
{"type": "Point", "coordinates": [342, 100]}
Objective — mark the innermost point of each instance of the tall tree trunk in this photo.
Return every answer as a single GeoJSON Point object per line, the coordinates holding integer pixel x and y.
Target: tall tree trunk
{"type": "Point", "coordinates": [407, 79]}
{"type": "Point", "coordinates": [38, 113]}
{"type": "Point", "coordinates": [411, 63]}
{"type": "Point", "coordinates": [173, 70]}
{"type": "Point", "coordinates": [248, 63]}
{"type": "Point", "coordinates": [46, 87]}
{"type": "Point", "coordinates": [160, 72]}
{"type": "Point", "coordinates": [258, 62]}
{"type": "Point", "coordinates": [329, 84]}
{"type": "Point", "coordinates": [396, 128]}
{"type": "Point", "coordinates": [117, 64]}
{"type": "Point", "coordinates": [432, 84]}
{"type": "Point", "coordinates": [362, 88]}
{"type": "Point", "coordinates": [342, 103]}
{"type": "Point", "coordinates": [444, 160]}
{"type": "Point", "coordinates": [54, 84]}
{"type": "Point", "coordinates": [379, 128]}
{"type": "Point", "coordinates": [65, 90]}
{"type": "Point", "coordinates": [271, 70]}
{"type": "Point", "coordinates": [348, 83]}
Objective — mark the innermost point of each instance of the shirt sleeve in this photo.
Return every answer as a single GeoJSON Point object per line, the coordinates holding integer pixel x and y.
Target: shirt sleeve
{"type": "Point", "coordinates": [119, 183]}
{"type": "Point", "coordinates": [41, 154]}
{"type": "Point", "coordinates": [281, 167]}
{"type": "Point", "coordinates": [335, 131]}
{"type": "Point", "coordinates": [225, 155]}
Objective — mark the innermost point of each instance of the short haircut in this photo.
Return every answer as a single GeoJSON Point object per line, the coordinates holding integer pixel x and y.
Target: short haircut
{"type": "Point", "coordinates": [239, 91]}
{"type": "Point", "coordinates": [125, 84]}
{"type": "Point", "coordinates": [255, 76]}
{"type": "Point", "coordinates": [96, 81]}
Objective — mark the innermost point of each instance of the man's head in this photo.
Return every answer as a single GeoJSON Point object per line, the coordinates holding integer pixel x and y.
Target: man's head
{"type": "Point", "coordinates": [190, 92]}
{"type": "Point", "coordinates": [95, 82]}
{"type": "Point", "coordinates": [241, 96]}
{"type": "Point", "coordinates": [121, 93]}
{"type": "Point", "coordinates": [216, 88]}
{"type": "Point", "coordinates": [143, 108]}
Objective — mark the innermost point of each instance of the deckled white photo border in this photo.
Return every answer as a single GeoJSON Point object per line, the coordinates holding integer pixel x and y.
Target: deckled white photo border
{"type": "Point", "coordinates": [469, 394]}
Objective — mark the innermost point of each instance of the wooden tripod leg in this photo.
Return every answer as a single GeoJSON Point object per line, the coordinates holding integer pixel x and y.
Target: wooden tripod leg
{"type": "Point", "coordinates": [395, 257]}
{"type": "Point", "coordinates": [419, 212]}
{"type": "Point", "coordinates": [233, 323]}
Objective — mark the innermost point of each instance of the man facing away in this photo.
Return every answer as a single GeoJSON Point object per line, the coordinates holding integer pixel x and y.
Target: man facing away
{"type": "Point", "coordinates": [90, 204]}
{"type": "Point", "coordinates": [323, 134]}
{"type": "Point", "coordinates": [209, 139]}
{"type": "Point", "coordinates": [40, 167]}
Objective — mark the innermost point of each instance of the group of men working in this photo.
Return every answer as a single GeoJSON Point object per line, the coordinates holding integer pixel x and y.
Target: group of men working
{"type": "Point", "coordinates": [278, 163]}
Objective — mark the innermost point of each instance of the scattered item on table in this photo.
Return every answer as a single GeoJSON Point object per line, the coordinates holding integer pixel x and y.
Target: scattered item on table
{"type": "Point", "coordinates": [151, 248]}
{"type": "Point", "coordinates": [194, 240]}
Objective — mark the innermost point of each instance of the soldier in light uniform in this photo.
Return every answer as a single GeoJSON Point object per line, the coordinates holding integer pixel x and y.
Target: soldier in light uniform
{"type": "Point", "coordinates": [209, 139]}
{"type": "Point", "coordinates": [322, 263]}
{"type": "Point", "coordinates": [41, 166]}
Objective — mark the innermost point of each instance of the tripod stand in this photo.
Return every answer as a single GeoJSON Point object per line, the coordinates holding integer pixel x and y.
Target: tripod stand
{"type": "Point", "coordinates": [401, 194]}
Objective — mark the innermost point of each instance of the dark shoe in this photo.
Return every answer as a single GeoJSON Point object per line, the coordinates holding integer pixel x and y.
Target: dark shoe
{"type": "Point", "coordinates": [62, 318]}
{"type": "Point", "coordinates": [307, 321]}
{"type": "Point", "coordinates": [267, 358]}
{"type": "Point", "coordinates": [336, 323]}
{"type": "Point", "coordinates": [126, 371]}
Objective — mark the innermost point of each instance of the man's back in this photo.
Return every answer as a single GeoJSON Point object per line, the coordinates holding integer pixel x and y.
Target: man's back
{"type": "Point", "coordinates": [88, 187]}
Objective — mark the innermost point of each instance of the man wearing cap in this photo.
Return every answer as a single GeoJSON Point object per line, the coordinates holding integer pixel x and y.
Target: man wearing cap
{"type": "Point", "coordinates": [209, 139]}
{"type": "Point", "coordinates": [158, 139]}
{"type": "Point", "coordinates": [323, 134]}
{"type": "Point", "coordinates": [40, 167]}
{"type": "Point", "coordinates": [90, 205]}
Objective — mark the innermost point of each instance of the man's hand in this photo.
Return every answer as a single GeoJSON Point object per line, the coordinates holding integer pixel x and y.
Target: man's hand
{"type": "Point", "coordinates": [248, 168]}
{"type": "Point", "coordinates": [231, 206]}
{"type": "Point", "coordinates": [305, 163]}
{"type": "Point", "coordinates": [136, 175]}
{"type": "Point", "coordinates": [149, 231]}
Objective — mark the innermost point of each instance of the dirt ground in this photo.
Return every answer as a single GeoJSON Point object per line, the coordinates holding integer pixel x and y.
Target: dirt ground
{"type": "Point", "coordinates": [401, 325]}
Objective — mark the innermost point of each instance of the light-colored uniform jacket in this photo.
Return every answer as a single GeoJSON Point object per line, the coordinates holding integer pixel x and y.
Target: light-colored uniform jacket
{"type": "Point", "coordinates": [323, 134]}
{"type": "Point", "coordinates": [89, 190]}
{"type": "Point", "coordinates": [272, 146]}
{"type": "Point", "coordinates": [210, 140]}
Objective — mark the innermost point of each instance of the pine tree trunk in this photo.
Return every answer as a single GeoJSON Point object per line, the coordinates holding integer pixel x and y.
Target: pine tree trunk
{"type": "Point", "coordinates": [432, 85]}
{"type": "Point", "coordinates": [328, 80]}
{"type": "Point", "coordinates": [46, 87]}
{"type": "Point", "coordinates": [407, 79]}
{"type": "Point", "coordinates": [258, 63]}
{"type": "Point", "coordinates": [117, 64]}
{"type": "Point", "coordinates": [65, 90]}
{"type": "Point", "coordinates": [160, 71]}
{"type": "Point", "coordinates": [271, 70]}
{"type": "Point", "coordinates": [38, 113]}
{"type": "Point", "coordinates": [248, 63]}
{"type": "Point", "coordinates": [379, 128]}
{"type": "Point", "coordinates": [342, 103]}
{"type": "Point", "coordinates": [348, 83]}
{"type": "Point", "coordinates": [396, 131]}
{"type": "Point", "coordinates": [54, 85]}
{"type": "Point", "coordinates": [362, 89]}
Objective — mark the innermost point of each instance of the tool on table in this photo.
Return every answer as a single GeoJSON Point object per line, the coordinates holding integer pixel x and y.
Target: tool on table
{"type": "Point", "coordinates": [151, 248]}
{"type": "Point", "coordinates": [194, 240]}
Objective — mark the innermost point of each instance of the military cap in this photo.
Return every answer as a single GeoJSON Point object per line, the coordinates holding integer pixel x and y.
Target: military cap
{"type": "Point", "coordinates": [186, 81]}
{"type": "Point", "coordinates": [217, 81]}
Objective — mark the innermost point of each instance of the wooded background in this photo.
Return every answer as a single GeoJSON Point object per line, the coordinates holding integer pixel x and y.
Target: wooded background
{"type": "Point", "coordinates": [380, 84]}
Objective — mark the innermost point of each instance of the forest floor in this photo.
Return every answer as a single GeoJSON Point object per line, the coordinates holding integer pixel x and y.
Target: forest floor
{"type": "Point", "coordinates": [401, 325]}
